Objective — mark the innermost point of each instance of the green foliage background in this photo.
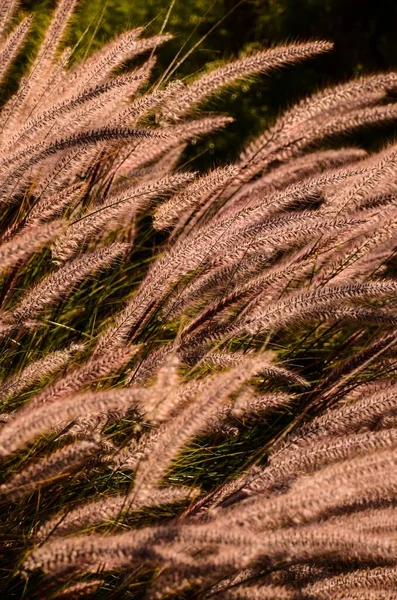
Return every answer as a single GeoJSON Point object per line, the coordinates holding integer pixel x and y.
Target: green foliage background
{"type": "Point", "coordinates": [364, 34]}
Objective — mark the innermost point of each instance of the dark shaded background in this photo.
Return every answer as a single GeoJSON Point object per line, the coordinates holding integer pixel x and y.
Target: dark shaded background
{"type": "Point", "coordinates": [364, 33]}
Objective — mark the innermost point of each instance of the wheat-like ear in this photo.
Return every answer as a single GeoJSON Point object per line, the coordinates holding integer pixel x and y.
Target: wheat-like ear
{"type": "Point", "coordinates": [41, 75]}
{"type": "Point", "coordinates": [20, 247]}
{"type": "Point", "coordinates": [54, 33]}
{"type": "Point", "coordinates": [315, 544]}
{"type": "Point", "coordinates": [93, 370]}
{"type": "Point", "coordinates": [374, 520]}
{"type": "Point", "coordinates": [359, 189]}
{"type": "Point", "coordinates": [360, 254]}
{"type": "Point", "coordinates": [61, 283]}
{"type": "Point", "coordinates": [319, 543]}
{"type": "Point", "coordinates": [249, 404]}
{"type": "Point", "coordinates": [305, 117]}
{"type": "Point", "coordinates": [98, 67]}
{"type": "Point", "coordinates": [166, 401]}
{"type": "Point", "coordinates": [353, 368]}
{"type": "Point", "coordinates": [89, 551]}
{"type": "Point", "coordinates": [312, 456]}
{"type": "Point", "coordinates": [375, 580]}
{"type": "Point", "coordinates": [261, 62]}
{"type": "Point", "coordinates": [354, 416]}
{"type": "Point", "coordinates": [192, 419]}
{"type": "Point", "coordinates": [318, 304]}
{"type": "Point", "coordinates": [363, 479]}
{"type": "Point", "coordinates": [163, 394]}
{"type": "Point", "coordinates": [357, 416]}
{"type": "Point", "coordinates": [251, 209]}
{"type": "Point", "coordinates": [192, 198]}
{"type": "Point", "coordinates": [248, 407]}
{"type": "Point", "coordinates": [173, 136]}
{"type": "Point", "coordinates": [47, 208]}
{"type": "Point", "coordinates": [109, 510]}
{"type": "Point", "coordinates": [171, 580]}
{"type": "Point", "coordinates": [74, 112]}
{"type": "Point", "coordinates": [16, 165]}
{"type": "Point", "coordinates": [255, 592]}
{"type": "Point", "coordinates": [7, 9]}
{"type": "Point", "coordinates": [27, 425]}
{"type": "Point", "coordinates": [302, 169]}
{"type": "Point", "coordinates": [272, 371]}
{"type": "Point", "coordinates": [109, 101]}
{"type": "Point", "coordinates": [37, 370]}
{"type": "Point", "coordinates": [12, 45]}
{"type": "Point", "coordinates": [114, 212]}
{"type": "Point", "coordinates": [138, 110]}
{"type": "Point", "coordinates": [79, 590]}
{"type": "Point", "coordinates": [232, 283]}
{"type": "Point", "coordinates": [217, 241]}
{"type": "Point", "coordinates": [335, 125]}
{"type": "Point", "coordinates": [50, 468]}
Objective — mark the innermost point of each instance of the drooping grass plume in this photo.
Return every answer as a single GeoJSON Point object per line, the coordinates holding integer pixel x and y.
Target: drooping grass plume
{"type": "Point", "coordinates": [198, 370]}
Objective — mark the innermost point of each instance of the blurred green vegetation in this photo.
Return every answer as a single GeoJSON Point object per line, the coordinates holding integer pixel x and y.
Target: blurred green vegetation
{"type": "Point", "coordinates": [210, 31]}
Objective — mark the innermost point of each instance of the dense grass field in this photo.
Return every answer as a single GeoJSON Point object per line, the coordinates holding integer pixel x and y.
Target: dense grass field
{"type": "Point", "coordinates": [198, 356]}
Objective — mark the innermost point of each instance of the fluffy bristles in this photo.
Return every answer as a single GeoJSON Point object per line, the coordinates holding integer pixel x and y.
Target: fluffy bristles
{"type": "Point", "coordinates": [198, 370]}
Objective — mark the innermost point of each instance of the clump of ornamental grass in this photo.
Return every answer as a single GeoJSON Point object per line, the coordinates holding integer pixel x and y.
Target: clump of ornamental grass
{"type": "Point", "coordinates": [198, 393]}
